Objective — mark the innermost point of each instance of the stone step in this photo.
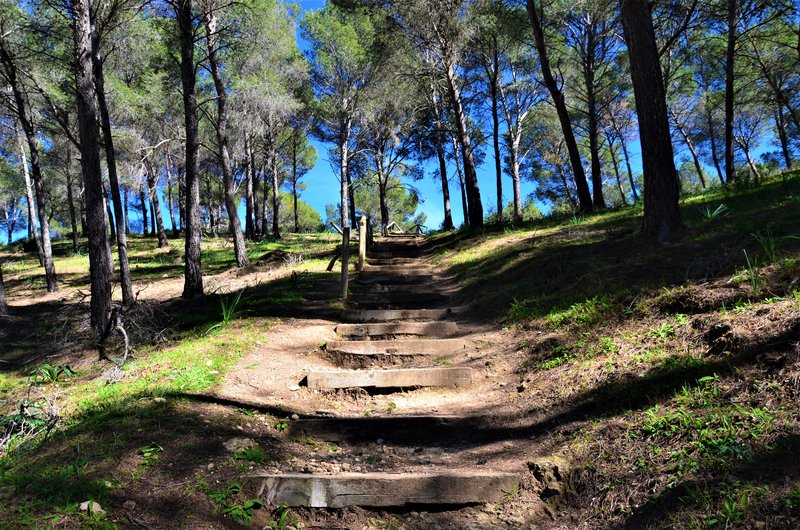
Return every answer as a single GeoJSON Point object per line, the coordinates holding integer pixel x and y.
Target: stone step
{"type": "Point", "coordinates": [452, 487]}
{"type": "Point", "coordinates": [394, 252]}
{"type": "Point", "coordinates": [398, 429]}
{"type": "Point", "coordinates": [394, 260]}
{"type": "Point", "coordinates": [397, 347]}
{"type": "Point", "coordinates": [373, 277]}
{"type": "Point", "coordinates": [400, 378]}
{"type": "Point", "coordinates": [400, 270]}
{"type": "Point", "coordinates": [372, 288]}
{"type": "Point", "coordinates": [397, 300]}
{"type": "Point", "coordinates": [391, 315]}
{"type": "Point", "coordinates": [420, 329]}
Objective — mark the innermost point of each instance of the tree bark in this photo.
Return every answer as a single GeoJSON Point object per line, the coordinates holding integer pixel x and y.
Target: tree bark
{"type": "Point", "coordinates": [295, 140]}
{"type": "Point", "coordinates": [3, 299]}
{"type": "Point", "coordinates": [780, 126]}
{"type": "Point", "coordinates": [73, 216]}
{"type": "Point", "coordinates": [615, 164]}
{"type": "Point", "coordinates": [439, 139]}
{"type": "Point", "coordinates": [126, 207]}
{"type": "Point", "coordinates": [460, 173]}
{"type": "Point", "coordinates": [144, 206]}
{"type": "Point", "coordinates": [662, 216]}
{"type": "Point", "coordinates": [249, 197]}
{"type": "Point", "coordinates": [193, 274]}
{"type": "Point", "coordinates": [494, 73]}
{"type": "Point", "coordinates": [344, 196]}
{"type": "Point", "coordinates": [170, 177]}
{"type": "Point", "coordinates": [109, 213]}
{"type": "Point", "coordinates": [156, 205]}
{"type": "Point", "coordinates": [239, 248]}
{"type": "Point", "coordinates": [99, 252]}
{"type": "Point", "coordinates": [730, 57]}
{"type": "Point", "coordinates": [598, 201]}
{"type": "Point", "coordinates": [276, 200]}
{"type": "Point", "coordinates": [20, 101]}
{"type": "Point", "coordinates": [33, 225]}
{"type": "Point", "coordinates": [118, 220]}
{"type": "Point", "coordinates": [584, 197]}
{"type": "Point", "coordinates": [465, 143]}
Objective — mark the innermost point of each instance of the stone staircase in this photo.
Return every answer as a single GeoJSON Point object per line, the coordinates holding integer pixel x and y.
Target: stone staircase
{"type": "Point", "coordinates": [398, 335]}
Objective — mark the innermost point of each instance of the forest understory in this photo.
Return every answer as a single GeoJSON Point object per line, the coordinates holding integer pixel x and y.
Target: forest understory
{"type": "Point", "coordinates": [631, 384]}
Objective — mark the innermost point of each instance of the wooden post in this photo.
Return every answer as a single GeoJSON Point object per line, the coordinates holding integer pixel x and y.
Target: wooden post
{"type": "Point", "coordinates": [345, 259]}
{"type": "Point", "coordinates": [362, 242]}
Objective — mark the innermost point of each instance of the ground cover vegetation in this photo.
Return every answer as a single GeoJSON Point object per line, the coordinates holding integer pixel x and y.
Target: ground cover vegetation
{"type": "Point", "coordinates": [154, 155]}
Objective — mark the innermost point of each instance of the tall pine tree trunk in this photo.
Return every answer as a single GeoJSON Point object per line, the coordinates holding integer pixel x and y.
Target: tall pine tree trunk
{"type": "Point", "coordinates": [276, 201]}
{"type": "Point", "coordinates": [239, 249]}
{"type": "Point", "coordinates": [460, 173]}
{"type": "Point", "coordinates": [584, 197]}
{"type": "Point", "coordinates": [193, 274]}
{"type": "Point", "coordinates": [249, 197]}
{"type": "Point", "coordinates": [465, 144]}
{"type": "Point", "coordinates": [118, 220]}
{"type": "Point", "coordinates": [344, 197]}
{"type": "Point", "coordinates": [3, 299]}
{"type": "Point", "coordinates": [439, 139]}
{"type": "Point", "coordinates": [493, 95]}
{"type": "Point", "coordinates": [21, 104]}
{"type": "Point", "coordinates": [99, 252]}
{"type": "Point", "coordinates": [730, 58]}
{"type": "Point", "coordinates": [662, 216]}
{"type": "Point", "coordinates": [33, 225]}
{"type": "Point", "coordinates": [156, 205]}
{"type": "Point", "coordinates": [73, 216]}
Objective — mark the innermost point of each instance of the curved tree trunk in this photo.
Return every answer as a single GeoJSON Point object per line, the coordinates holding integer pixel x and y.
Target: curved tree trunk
{"type": "Point", "coordinates": [662, 215]}
{"type": "Point", "coordinates": [584, 197]}
{"type": "Point", "coordinates": [239, 248]}
{"type": "Point", "coordinates": [615, 164]}
{"type": "Point", "coordinates": [99, 252]}
{"type": "Point", "coordinates": [193, 275]}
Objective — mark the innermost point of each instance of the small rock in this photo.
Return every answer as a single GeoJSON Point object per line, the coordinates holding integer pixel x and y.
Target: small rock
{"type": "Point", "coordinates": [159, 400]}
{"type": "Point", "coordinates": [210, 466]}
{"type": "Point", "coordinates": [294, 388]}
{"type": "Point", "coordinates": [379, 441]}
{"type": "Point", "coordinates": [234, 445]}
{"type": "Point", "coordinates": [129, 505]}
{"type": "Point", "coordinates": [760, 524]}
{"type": "Point", "coordinates": [239, 428]}
{"type": "Point", "coordinates": [7, 491]}
{"type": "Point", "coordinates": [295, 417]}
{"type": "Point", "coordinates": [91, 507]}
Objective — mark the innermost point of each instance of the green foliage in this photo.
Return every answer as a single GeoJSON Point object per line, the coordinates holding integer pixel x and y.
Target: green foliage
{"type": "Point", "coordinates": [150, 450]}
{"type": "Point", "coordinates": [230, 310]}
{"type": "Point", "coordinates": [251, 454]}
{"type": "Point", "coordinates": [754, 273]}
{"type": "Point", "coordinates": [282, 518]}
{"type": "Point", "coordinates": [238, 512]}
{"type": "Point", "coordinates": [48, 373]}
{"type": "Point", "coordinates": [584, 314]}
{"type": "Point", "coordinates": [711, 431]}
{"type": "Point", "coordinates": [769, 244]}
{"type": "Point", "coordinates": [708, 213]}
